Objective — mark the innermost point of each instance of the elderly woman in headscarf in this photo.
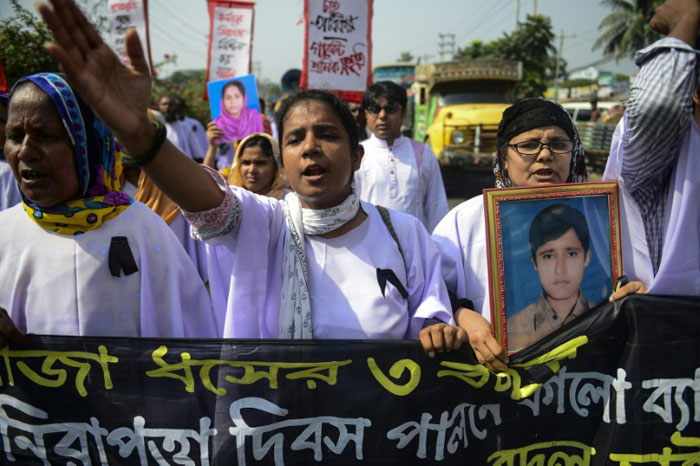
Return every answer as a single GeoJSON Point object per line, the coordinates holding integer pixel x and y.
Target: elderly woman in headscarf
{"type": "Point", "coordinates": [537, 144]}
{"type": "Point", "coordinates": [78, 257]}
{"type": "Point", "coordinates": [9, 195]}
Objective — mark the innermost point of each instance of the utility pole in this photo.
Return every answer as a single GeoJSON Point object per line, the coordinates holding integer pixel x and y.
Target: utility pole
{"type": "Point", "coordinates": [517, 15]}
{"type": "Point", "coordinates": [446, 41]}
{"type": "Point", "coordinates": [257, 70]}
{"type": "Point", "coordinates": [534, 7]}
{"type": "Point", "coordinates": [556, 67]}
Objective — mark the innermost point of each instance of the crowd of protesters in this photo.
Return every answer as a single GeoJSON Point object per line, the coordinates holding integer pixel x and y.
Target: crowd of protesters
{"type": "Point", "coordinates": [122, 221]}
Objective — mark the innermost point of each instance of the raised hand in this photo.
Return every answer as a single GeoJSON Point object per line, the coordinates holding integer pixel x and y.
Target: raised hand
{"type": "Point", "coordinates": [678, 18]}
{"type": "Point", "coordinates": [118, 94]}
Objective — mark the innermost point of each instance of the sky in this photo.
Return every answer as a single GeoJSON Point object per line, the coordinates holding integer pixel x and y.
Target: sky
{"type": "Point", "coordinates": [181, 27]}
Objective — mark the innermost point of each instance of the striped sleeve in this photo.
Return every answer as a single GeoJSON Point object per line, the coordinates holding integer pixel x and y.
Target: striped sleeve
{"type": "Point", "coordinates": [659, 113]}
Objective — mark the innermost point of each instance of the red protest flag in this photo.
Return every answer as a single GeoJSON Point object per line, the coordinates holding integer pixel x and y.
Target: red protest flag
{"type": "Point", "coordinates": [230, 50]}
{"type": "Point", "coordinates": [338, 47]}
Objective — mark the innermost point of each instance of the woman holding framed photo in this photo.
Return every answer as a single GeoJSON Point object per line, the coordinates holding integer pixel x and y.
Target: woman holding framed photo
{"type": "Point", "coordinates": [538, 144]}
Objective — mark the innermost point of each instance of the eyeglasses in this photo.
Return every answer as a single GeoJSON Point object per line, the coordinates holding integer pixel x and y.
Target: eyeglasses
{"type": "Point", "coordinates": [559, 146]}
{"type": "Point", "coordinates": [389, 109]}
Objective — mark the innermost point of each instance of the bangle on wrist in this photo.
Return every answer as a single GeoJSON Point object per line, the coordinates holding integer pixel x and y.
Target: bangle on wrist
{"type": "Point", "coordinates": [158, 140]}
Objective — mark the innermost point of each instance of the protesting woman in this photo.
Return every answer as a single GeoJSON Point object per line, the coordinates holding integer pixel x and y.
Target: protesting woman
{"type": "Point", "coordinates": [319, 264]}
{"type": "Point", "coordinates": [537, 144]}
{"type": "Point", "coordinates": [78, 257]}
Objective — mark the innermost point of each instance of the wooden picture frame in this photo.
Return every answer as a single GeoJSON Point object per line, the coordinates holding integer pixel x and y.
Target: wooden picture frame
{"type": "Point", "coordinates": [539, 267]}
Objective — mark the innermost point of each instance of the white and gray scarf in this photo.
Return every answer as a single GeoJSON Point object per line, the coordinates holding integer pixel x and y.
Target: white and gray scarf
{"type": "Point", "coordinates": [295, 311]}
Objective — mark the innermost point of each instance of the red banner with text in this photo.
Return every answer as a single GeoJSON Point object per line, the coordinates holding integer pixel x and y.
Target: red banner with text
{"type": "Point", "coordinates": [125, 14]}
{"type": "Point", "coordinates": [338, 47]}
{"type": "Point", "coordinates": [230, 39]}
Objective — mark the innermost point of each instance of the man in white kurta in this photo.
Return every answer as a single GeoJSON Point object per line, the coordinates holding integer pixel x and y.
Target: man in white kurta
{"type": "Point", "coordinates": [398, 172]}
{"type": "Point", "coordinates": [61, 285]}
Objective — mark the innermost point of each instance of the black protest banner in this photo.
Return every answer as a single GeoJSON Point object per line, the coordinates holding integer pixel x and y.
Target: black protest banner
{"type": "Point", "coordinates": [621, 385]}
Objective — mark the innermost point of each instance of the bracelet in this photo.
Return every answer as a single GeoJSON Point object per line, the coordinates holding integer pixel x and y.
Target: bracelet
{"type": "Point", "coordinates": [151, 153]}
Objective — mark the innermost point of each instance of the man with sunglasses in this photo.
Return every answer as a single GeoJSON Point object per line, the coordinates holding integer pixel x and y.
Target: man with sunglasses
{"type": "Point", "coordinates": [398, 172]}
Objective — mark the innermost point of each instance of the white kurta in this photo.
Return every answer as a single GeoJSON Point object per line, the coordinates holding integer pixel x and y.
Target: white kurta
{"type": "Point", "coordinates": [183, 138]}
{"type": "Point", "coordinates": [61, 285]}
{"type": "Point", "coordinates": [461, 238]}
{"type": "Point", "coordinates": [390, 177]}
{"type": "Point", "coordinates": [9, 194]}
{"type": "Point", "coordinates": [679, 269]}
{"type": "Point", "coordinates": [245, 276]}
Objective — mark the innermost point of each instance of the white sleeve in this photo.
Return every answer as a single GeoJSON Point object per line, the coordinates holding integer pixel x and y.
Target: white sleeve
{"type": "Point", "coordinates": [434, 196]}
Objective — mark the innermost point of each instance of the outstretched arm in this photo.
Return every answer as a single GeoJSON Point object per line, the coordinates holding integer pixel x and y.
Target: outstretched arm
{"type": "Point", "coordinates": [120, 95]}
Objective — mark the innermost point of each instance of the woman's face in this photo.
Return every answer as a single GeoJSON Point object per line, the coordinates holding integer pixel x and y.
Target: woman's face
{"type": "Point", "coordinates": [233, 101]}
{"type": "Point", "coordinates": [543, 168]}
{"type": "Point", "coordinates": [318, 163]}
{"type": "Point", "coordinates": [39, 150]}
{"type": "Point", "coordinates": [257, 170]}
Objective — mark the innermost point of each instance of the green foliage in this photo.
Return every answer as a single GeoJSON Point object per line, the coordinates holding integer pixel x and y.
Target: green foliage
{"type": "Point", "coordinates": [577, 83]}
{"type": "Point", "coordinates": [23, 35]}
{"type": "Point", "coordinates": [406, 56]}
{"type": "Point", "coordinates": [22, 39]}
{"type": "Point", "coordinates": [532, 44]}
{"type": "Point", "coordinates": [626, 29]}
{"type": "Point", "coordinates": [477, 49]}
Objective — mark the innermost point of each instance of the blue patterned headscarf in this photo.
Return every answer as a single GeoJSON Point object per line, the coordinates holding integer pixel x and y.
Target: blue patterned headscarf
{"type": "Point", "coordinates": [99, 168]}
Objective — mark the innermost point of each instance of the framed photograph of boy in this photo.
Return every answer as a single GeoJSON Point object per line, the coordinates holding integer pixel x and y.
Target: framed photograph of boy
{"type": "Point", "coordinates": [554, 253]}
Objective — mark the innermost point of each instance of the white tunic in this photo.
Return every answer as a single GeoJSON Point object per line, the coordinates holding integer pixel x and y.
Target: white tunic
{"type": "Point", "coordinates": [679, 269]}
{"type": "Point", "coordinates": [179, 133]}
{"type": "Point", "coordinates": [346, 301]}
{"type": "Point", "coordinates": [461, 238]}
{"type": "Point", "coordinates": [9, 194]}
{"type": "Point", "coordinates": [61, 285]}
{"type": "Point", "coordinates": [390, 177]}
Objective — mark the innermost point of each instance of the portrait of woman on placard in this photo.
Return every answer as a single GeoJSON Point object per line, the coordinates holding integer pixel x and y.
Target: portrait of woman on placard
{"type": "Point", "coordinates": [236, 120]}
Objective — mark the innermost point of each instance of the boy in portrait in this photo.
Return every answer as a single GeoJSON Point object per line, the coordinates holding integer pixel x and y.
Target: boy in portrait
{"type": "Point", "coordinates": [560, 253]}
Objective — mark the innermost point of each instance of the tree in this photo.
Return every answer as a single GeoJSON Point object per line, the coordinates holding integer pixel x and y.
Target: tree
{"type": "Point", "coordinates": [22, 40]}
{"type": "Point", "coordinates": [477, 49]}
{"type": "Point", "coordinates": [23, 35]}
{"type": "Point", "coordinates": [627, 30]}
{"type": "Point", "coordinates": [532, 44]}
{"type": "Point", "coordinates": [406, 56]}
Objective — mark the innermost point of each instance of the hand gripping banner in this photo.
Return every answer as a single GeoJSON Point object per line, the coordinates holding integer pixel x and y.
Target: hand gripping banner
{"type": "Point", "coordinates": [125, 14]}
{"type": "Point", "coordinates": [230, 39]}
{"type": "Point", "coordinates": [338, 47]}
{"type": "Point", "coordinates": [617, 386]}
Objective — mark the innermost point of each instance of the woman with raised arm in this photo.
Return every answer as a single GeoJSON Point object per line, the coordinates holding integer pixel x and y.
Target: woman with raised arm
{"type": "Point", "coordinates": [319, 264]}
{"type": "Point", "coordinates": [77, 256]}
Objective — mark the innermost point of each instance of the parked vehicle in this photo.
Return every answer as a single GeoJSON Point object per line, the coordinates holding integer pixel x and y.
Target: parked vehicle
{"type": "Point", "coordinates": [458, 106]}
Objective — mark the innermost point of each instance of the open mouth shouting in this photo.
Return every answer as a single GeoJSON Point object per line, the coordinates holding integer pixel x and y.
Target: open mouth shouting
{"type": "Point", "coordinates": [314, 173]}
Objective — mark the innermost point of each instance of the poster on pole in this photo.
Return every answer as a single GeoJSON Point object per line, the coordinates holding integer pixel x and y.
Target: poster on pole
{"type": "Point", "coordinates": [338, 47]}
{"type": "Point", "coordinates": [230, 39]}
{"type": "Point", "coordinates": [125, 14]}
